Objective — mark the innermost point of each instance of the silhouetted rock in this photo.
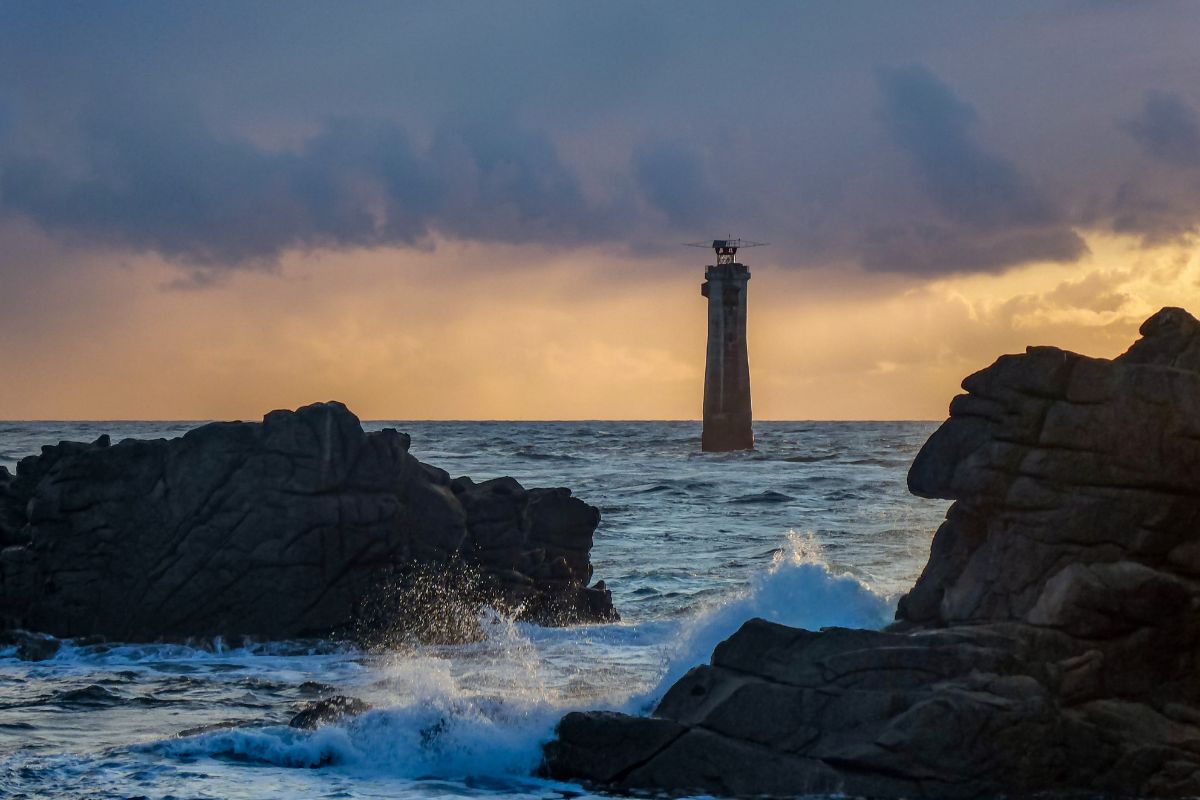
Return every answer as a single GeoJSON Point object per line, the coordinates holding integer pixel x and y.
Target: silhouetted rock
{"type": "Point", "coordinates": [30, 646]}
{"type": "Point", "coordinates": [1051, 644]}
{"type": "Point", "coordinates": [275, 529]}
{"type": "Point", "coordinates": [11, 518]}
{"type": "Point", "coordinates": [1076, 486]}
{"type": "Point", "coordinates": [331, 709]}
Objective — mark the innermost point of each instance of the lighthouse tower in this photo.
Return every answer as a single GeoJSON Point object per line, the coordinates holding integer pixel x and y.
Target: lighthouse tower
{"type": "Point", "coordinates": [727, 417]}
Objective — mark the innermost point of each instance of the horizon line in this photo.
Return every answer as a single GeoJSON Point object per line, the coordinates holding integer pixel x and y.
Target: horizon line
{"type": "Point", "coordinates": [463, 419]}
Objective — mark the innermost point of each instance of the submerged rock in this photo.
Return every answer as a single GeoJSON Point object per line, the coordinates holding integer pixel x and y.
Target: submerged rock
{"type": "Point", "coordinates": [331, 709]}
{"type": "Point", "coordinates": [30, 646]}
{"type": "Point", "coordinates": [276, 529]}
{"type": "Point", "coordinates": [1050, 645]}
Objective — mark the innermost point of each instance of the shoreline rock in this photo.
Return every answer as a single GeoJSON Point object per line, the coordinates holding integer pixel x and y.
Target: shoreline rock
{"type": "Point", "coordinates": [274, 529]}
{"type": "Point", "coordinates": [1051, 645]}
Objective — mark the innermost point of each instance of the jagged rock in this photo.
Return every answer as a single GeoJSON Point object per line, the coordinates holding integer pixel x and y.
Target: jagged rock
{"type": "Point", "coordinates": [30, 646]}
{"type": "Point", "coordinates": [273, 529]}
{"type": "Point", "coordinates": [12, 519]}
{"type": "Point", "coordinates": [537, 543]}
{"type": "Point", "coordinates": [1058, 462]}
{"type": "Point", "coordinates": [330, 709]}
{"type": "Point", "coordinates": [1050, 645]}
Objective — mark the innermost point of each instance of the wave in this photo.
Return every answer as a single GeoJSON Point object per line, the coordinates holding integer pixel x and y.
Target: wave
{"type": "Point", "coordinates": [91, 696]}
{"type": "Point", "coordinates": [799, 589]}
{"type": "Point", "coordinates": [433, 722]}
{"type": "Point", "coordinates": [83, 652]}
{"type": "Point", "coordinates": [767, 496]}
{"type": "Point", "coordinates": [531, 453]}
{"type": "Point", "coordinates": [806, 459]}
{"type": "Point", "coordinates": [653, 488]}
{"type": "Point", "coordinates": [881, 462]}
{"type": "Point", "coordinates": [437, 737]}
{"type": "Point", "coordinates": [428, 721]}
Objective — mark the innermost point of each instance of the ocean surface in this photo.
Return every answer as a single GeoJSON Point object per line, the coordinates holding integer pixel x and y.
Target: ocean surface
{"type": "Point", "coordinates": [813, 528]}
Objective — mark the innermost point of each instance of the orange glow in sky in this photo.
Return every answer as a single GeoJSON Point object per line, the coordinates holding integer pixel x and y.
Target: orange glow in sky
{"type": "Point", "coordinates": [475, 332]}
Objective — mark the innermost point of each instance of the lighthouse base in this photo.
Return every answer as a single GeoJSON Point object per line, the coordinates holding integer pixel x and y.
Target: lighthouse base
{"type": "Point", "coordinates": [726, 432]}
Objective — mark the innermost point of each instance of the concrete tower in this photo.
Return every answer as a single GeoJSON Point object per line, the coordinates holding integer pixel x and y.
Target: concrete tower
{"type": "Point", "coordinates": [727, 418]}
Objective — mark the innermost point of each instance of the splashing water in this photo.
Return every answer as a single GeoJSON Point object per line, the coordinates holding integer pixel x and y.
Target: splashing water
{"type": "Point", "coordinates": [485, 709]}
{"type": "Point", "coordinates": [688, 562]}
{"type": "Point", "coordinates": [797, 589]}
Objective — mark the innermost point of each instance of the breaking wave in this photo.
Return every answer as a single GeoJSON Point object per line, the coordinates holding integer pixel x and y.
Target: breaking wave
{"type": "Point", "coordinates": [432, 722]}
{"type": "Point", "coordinates": [798, 589]}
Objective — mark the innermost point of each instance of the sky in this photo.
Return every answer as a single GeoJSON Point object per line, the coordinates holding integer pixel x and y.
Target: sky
{"type": "Point", "coordinates": [475, 210]}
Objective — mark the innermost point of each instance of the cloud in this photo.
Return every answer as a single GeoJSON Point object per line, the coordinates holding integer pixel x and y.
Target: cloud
{"type": "Point", "coordinates": [986, 214]}
{"type": "Point", "coordinates": [169, 184]}
{"type": "Point", "coordinates": [1099, 292]}
{"type": "Point", "coordinates": [1160, 202]}
{"type": "Point", "coordinates": [221, 140]}
{"type": "Point", "coordinates": [674, 179]}
{"type": "Point", "coordinates": [1168, 129]}
{"type": "Point", "coordinates": [933, 249]}
{"type": "Point", "coordinates": [1167, 215]}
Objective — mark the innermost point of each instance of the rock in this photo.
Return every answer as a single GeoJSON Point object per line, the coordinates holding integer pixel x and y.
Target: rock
{"type": "Point", "coordinates": [12, 517]}
{"type": "Point", "coordinates": [30, 646]}
{"type": "Point", "coordinates": [330, 709]}
{"type": "Point", "coordinates": [1056, 460]}
{"type": "Point", "coordinates": [611, 752]}
{"type": "Point", "coordinates": [1170, 338]}
{"type": "Point", "coordinates": [430, 603]}
{"type": "Point", "coordinates": [315, 688]}
{"type": "Point", "coordinates": [1050, 645]}
{"type": "Point", "coordinates": [278, 529]}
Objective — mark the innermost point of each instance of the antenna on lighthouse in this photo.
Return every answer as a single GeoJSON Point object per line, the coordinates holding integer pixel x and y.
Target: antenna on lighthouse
{"type": "Point", "coordinates": [726, 248]}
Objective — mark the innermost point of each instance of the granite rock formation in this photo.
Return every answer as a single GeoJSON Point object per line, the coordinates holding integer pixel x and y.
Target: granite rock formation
{"type": "Point", "coordinates": [276, 529]}
{"type": "Point", "coordinates": [1050, 645]}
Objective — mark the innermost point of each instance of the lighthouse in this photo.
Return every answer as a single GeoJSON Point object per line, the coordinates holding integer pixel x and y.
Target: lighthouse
{"type": "Point", "coordinates": [727, 417]}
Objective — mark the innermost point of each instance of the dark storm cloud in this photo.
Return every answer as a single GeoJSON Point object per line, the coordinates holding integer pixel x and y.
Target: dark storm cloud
{"type": "Point", "coordinates": [225, 135]}
{"type": "Point", "coordinates": [1168, 129]}
{"type": "Point", "coordinates": [169, 184]}
{"type": "Point", "coordinates": [675, 180]}
{"type": "Point", "coordinates": [1161, 204]}
{"type": "Point", "coordinates": [1159, 216]}
{"type": "Point", "coordinates": [988, 215]}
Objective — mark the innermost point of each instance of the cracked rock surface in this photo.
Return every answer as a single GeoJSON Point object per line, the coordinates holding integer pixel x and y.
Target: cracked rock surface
{"type": "Point", "coordinates": [1050, 644]}
{"type": "Point", "coordinates": [275, 529]}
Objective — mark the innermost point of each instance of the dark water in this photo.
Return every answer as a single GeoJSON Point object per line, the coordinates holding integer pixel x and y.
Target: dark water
{"type": "Point", "coordinates": [813, 528]}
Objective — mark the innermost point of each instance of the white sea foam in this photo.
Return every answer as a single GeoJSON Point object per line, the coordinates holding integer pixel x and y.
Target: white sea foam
{"type": "Point", "coordinates": [436, 737]}
{"type": "Point", "coordinates": [444, 712]}
{"type": "Point", "coordinates": [798, 589]}
{"type": "Point", "coordinates": [436, 718]}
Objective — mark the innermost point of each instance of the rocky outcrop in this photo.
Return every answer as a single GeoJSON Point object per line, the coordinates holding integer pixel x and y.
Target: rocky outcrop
{"type": "Point", "coordinates": [327, 710]}
{"type": "Point", "coordinates": [1050, 645]}
{"type": "Point", "coordinates": [276, 529]}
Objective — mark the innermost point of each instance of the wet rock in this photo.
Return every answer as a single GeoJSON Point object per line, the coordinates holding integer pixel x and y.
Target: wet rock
{"type": "Point", "coordinates": [331, 709]}
{"type": "Point", "coordinates": [278, 529]}
{"type": "Point", "coordinates": [31, 646]}
{"type": "Point", "coordinates": [613, 748]}
{"type": "Point", "coordinates": [429, 604]}
{"type": "Point", "coordinates": [1050, 645]}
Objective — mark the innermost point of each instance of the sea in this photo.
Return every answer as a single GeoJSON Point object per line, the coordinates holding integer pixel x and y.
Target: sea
{"type": "Point", "coordinates": [815, 527]}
